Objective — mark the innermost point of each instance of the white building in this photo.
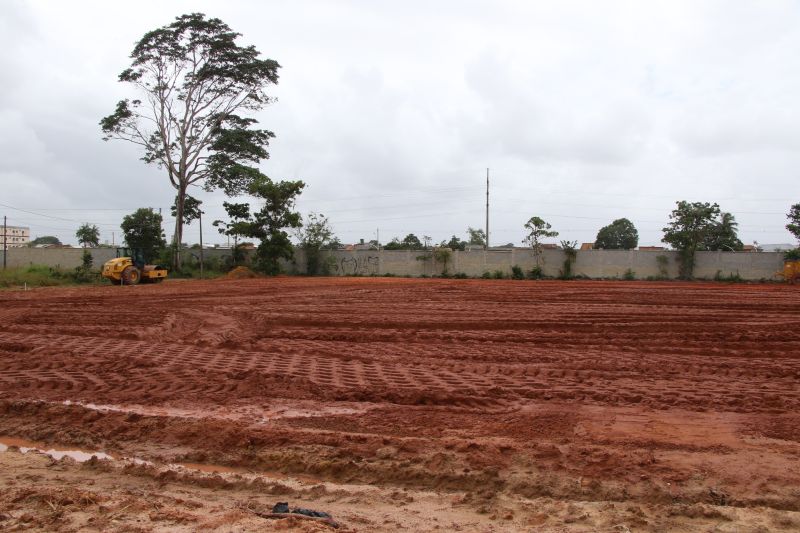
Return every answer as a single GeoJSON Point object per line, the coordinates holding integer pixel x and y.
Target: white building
{"type": "Point", "coordinates": [16, 236]}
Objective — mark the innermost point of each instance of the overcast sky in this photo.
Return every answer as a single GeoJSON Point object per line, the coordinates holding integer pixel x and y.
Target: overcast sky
{"type": "Point", "coordinates": [392, 111]}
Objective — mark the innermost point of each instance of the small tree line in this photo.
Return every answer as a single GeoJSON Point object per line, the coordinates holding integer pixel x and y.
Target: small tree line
{"type": "Point", "coordinates": [692, 227]}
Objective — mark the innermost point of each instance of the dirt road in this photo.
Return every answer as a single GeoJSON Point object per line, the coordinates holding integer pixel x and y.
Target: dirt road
{"type": "Point", "coordinates": [398, 403]}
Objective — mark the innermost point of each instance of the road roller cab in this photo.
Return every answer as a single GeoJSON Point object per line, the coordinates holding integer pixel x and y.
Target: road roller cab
{"type": "Point", "coordinates": [130, 268]}
{"type": "Point", "coordinates": [791, 271]}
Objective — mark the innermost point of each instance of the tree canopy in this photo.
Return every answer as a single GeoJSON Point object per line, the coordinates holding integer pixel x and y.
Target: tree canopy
{"type": "Point", "coordinates": [45, 239]}
{"type": "Point", "coordinates": [315, 235]}
{"type": "Point", "coordinates": [794, 221]}
{"type": "Point", "coordinates": [194, 81]}
{"type": "Point", "coordinates": [454, 244]}
{"type": "Point", "coordinates": [88, 235]}
{"type": "Point", "coordinates": [409, 242]}
{"type": "Point", "coordinates": [191, 209]}
{"type": "Point", "coordinates": [142, 230]}
{"type": "Point", "coordinates": [269, 224]}
{"type": "Point", "coordinates": [621, 234]}
{"type": "Point", "coordinates": [538, 229]}
{"type": "Point", "coordinates": [698, 226]}
{"type": "Point", "coordinates": [723, 235]}
{"type": "Point", "coordinates": [476, 237]}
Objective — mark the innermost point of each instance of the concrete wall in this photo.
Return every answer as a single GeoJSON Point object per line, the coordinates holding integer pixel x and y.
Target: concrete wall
{"type": "Point", "coordinates": [748, 265]}
{"type": "Point", "coordinates": [590, 263]}
{"type": "Point", "coordinates": [68, 258]}
{"type": "Point", "coordinates": [56, 257]}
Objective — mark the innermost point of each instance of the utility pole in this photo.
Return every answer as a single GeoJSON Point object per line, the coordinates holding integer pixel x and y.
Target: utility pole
{"type": "Point", "coordinates": [201, 245]}
{"type": "Point", "coordinates": [487, 210]}
{"type": "Point", "coordinates": [5, 248]}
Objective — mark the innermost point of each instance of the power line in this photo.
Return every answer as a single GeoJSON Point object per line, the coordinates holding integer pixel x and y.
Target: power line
{"type": "Point", "coordinates": [632, 194]}
{"type": "Point", "coordinates": [59, 218]}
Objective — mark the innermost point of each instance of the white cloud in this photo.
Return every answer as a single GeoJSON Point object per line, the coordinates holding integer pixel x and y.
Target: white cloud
{"type": "Point", "coordinates": [391, 111]}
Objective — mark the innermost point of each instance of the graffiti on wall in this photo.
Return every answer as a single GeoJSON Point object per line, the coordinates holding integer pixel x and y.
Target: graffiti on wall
{"type": "Point", "coordinates": [357, 266]}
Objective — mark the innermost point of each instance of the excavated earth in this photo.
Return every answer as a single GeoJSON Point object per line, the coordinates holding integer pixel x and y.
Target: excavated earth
{"type": "Point", "coordinates": [451, 405]}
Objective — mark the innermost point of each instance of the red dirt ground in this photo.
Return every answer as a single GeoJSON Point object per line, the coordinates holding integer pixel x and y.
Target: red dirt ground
{"type": "Point", "coordinates": [394, 403]}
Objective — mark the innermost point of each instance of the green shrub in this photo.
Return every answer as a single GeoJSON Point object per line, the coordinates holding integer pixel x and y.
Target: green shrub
{"type": "Point", "coordinates": [212, 263]}
{"type": "Point", "coordinates": [629, 275]}
{"type": "Point", "coordinates": [663, 263]}
{"type": "Point", "coordinates": [498, 274]}
{"type": "Point", "coordinates": [792, 255]}
{"type": "Point", "coordinates": [731, 277]}
{"type": "Point", "coordinates": [517, 273]}
{"type": "Point", "coordinates": [460, 275]}
{"type": "Point", "coordinates": [536, 273]}
{"type": "Point", "coordinates": [570, 254]}
{"type": "Point", "coordinates": [327, 265]}
{"type": "Point", "coordinates": [165, 255]}
{"type": "Point", "coordinates": [486, 275]}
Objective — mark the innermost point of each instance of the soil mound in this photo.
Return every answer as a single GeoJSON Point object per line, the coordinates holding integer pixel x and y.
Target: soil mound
{"type": "Point", "coordinates": [241, 272]}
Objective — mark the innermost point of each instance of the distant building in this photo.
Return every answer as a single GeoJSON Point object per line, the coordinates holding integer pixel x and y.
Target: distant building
{"type": "Point", "coordinates": [783, 247]}
{"type": "Point", "coordinates": [360, 245]}
{"type": "Point", "coordinates": [587, 246]}
{"type": "Point", "coordinates": [17, 236]}
{"type": "Point", "coordinates": [651, 249]}
{"type": "Point", "coordinates": [52, 245]}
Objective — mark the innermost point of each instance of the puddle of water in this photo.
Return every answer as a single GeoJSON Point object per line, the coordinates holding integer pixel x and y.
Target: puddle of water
{"type": "Point", "coordinates": [219, 469]}
{"type": "Point", "coordinates": [212, 469]}
{"type": "Point", "coordinates": [248, 414]}
{"type": "Point", "coordinates": [142, 410]}
{"type": "Point", "coordinates": [82, 456]}
{"type": "Point", "coordinates": [26, 446]}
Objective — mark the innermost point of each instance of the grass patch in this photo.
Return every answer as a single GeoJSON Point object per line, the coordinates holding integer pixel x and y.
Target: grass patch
{"type": "Point", "coordinates": [44, 276]}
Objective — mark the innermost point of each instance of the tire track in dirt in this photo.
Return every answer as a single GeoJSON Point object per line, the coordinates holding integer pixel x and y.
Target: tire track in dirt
{"type": "Point", "coordinates": [485, 386]}
{"type": "Point", "coordinates": [142, 370]}
{"type": "Point", "coordinates": [660, 345]}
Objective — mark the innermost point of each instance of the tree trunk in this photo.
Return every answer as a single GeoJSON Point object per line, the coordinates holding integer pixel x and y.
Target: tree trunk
{"type": "Point", "coordinates": [178, 237]}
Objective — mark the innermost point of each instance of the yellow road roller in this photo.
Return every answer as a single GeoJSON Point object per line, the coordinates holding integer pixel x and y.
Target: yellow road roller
{"type": "Point", "coordinates": [791, 271]}
{"type": "Point", "coordinates": [130, 268]}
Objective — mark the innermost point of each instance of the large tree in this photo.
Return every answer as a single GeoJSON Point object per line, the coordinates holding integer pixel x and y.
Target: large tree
{"type": "Point", "coordinates": [195, 81]}
{"type": "Point", "coordinates": [45, 239]}
{"type": "Point", "coordinates": [314, 236]}
{"type": "Point", "coordinates": [691, 225]}
{"type": "Point", "coordinates": [454, 244]}
{"type": "Point", "coordinates": [88, 235]}
{"type": "Point", "coordinates": [476, 237]}
{"type": "Point", "coordinates": [270, 223]}
{"type": "Point", "coordinates": [142, 230]}
{"type": "Point", "coordinates": [723, 235]}
{"type": "Point", "coordinates": [794, 221]}
{"type": "Point", "coordinates": [619, 235]}
{"type": "Point", "coordinates": [538, 229]}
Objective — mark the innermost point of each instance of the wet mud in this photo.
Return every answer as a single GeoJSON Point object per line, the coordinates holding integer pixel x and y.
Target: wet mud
{"type": "Point", "coordinates": [554, 405]}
